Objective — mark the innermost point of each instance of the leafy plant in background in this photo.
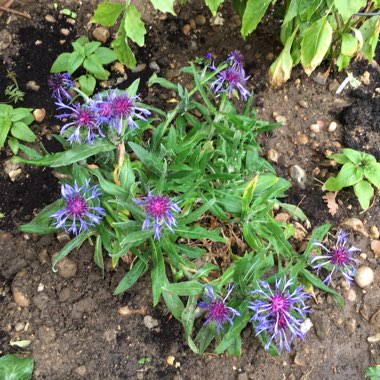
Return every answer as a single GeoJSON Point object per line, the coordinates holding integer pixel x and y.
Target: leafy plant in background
{"type": "Point", "coordinates": [175, 193]}
{"type": "Point", "coordinates": [14, 126]}
{"type": "Point", "coordinates": [360, 170]}
{"type": "Point", "coordinates": [89, 55]}
{"type": "Point", "coordinates": [13, 92]}
{"type": "Point", "coordinates": [373, 373]}
{"type": "Point", "coordinates": [311, 31]}
{"type": "Point", "coordinates": [15, 368]}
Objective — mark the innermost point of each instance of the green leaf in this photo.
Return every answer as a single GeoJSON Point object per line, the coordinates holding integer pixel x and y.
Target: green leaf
{"type": "Point", "coordinates": [353, 155]}
{"type": "Point", "coordinates": [105, 55]}
{"type": "Point", "coordinates": [13, 144]}
{"type": "Point", "coordinates": [187, 288]}
{"type": "Point", "coordinates": [14, 368]}
{"type": "Point", "coordinates": [339, 158]}
{"type": "Point", "coordinates": [173, 303]}
{"type": "Point", "coordinates": [373, 372]}
{"type": "Point", "coordinates": [372, 173]}
{"type": "Point", "coordinates": [164, 5]}
{"type": "Point", "coordinates": [61, 63]}
{"type": "Point", "coordinates": [195, 215]}
{"type": "Point", "coordinates": [132, 276]}
{"type": "Point", "coordinates": [254, 12]}
{"type": "Point", "coordinates": [213, 5]}
{"type": "Point", "coordinates": [370, 31]}
{"type": "Point", "coordinates": [91, 47]}
{"type": "Point", "coordinates": [22, 132]}
{"type": "Point", "coordinates": [248, 195]}
{"type": "Point", "coordinates": [98, 254]}
{"type": "Point", "coordinates": [23, 114]}
{"type": "Point", "coordinates": [107, 13]}
{"type": "Point", "coordinates": [87, 84]}
{"type": "Point", "coordinates": [198, 232]}
{"type": "Point", "coordinates": [349, 44]}
{"type": "Point", "coordinates": [348, 8]}
{"type": "Point", "coordinates": [94, 66]}
{"type": "Point", "coordinates": [78, 153]}
{"type": "Point", "coordinates": [364, 192]}
{"type": "Point", "coordinates": [315, 44]}
{"type": "Point", "coordinates": [122, 50]}
{"type": "Point", "coordinates": [347, 176]}
{"type": "Point", "coordinates": [134, 27]}
{"type": "Point", "coordinates": [151, 161]}
{"type": "Point", "coordinates": [5, 126]}
{"type": "Point", "coordinates": [281, 68]}
{"type": "Point", "coordinates": [158, 274]}
{"type": "Point", "coordinates": [75, 61]}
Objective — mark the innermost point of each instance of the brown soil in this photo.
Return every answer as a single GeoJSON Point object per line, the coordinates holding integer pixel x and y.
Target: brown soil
{"type": "Point", "coordinates": [74, 324]}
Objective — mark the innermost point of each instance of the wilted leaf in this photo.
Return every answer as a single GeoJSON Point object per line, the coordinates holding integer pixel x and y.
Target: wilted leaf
{"type": "Point", "coordinates": [329, 198]}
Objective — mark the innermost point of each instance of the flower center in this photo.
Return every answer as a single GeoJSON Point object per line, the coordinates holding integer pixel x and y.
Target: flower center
{"type": "Point", "coordinates": [122, 106]}
{"type": "Point", "coordinates": [158, 206]}
{"type": "Point", "coordinates": [232, 76]}
{"type": "Point", "coordinates": [339, 256]}
{"type": "Point", "coordinates": [105, 109]}
{"type": "Point", "coordinates": [85, 117]}
{"type": "Point", "coordinates": [77, 205]}
{"type": "Point", "coordinates": [279, 304]}
{"type": "Point", "coordinates": [281, 322]}
{"type": "Point", "coordinates": [218, 310]}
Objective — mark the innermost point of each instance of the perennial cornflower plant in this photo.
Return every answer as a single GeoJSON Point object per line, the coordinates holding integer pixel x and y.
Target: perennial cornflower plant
{"type": "Point", "coordinates": [60, 84]}
{"type": "Point", "coordinates": [175, 189]}
{"type": "Point", "coordinates": [337, 259]}
{"type": "Point", "coordinates": [279, 313]}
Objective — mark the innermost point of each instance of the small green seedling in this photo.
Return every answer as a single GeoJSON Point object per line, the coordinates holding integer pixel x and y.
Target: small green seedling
{"type": "Point", "coordinates": [92, 56]}
{"type": "Point", "coordinates": [12, 91]}
{"type": "Point", "coordinates": [68, 12]}
{"type": "Point", "coordinates": [14, 125]}
{"type": "Point", "coordinates": [373, 373]}
{"type": "Point", "coordinates": [360, 170]}
{"type": "Point", "coordinates": [144, 361]}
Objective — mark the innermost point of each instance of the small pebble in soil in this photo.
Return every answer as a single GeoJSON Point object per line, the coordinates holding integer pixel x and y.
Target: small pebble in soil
{"type": "Point", "coordinates": [170, 360]}
{"type": "Point", "coordinates": [298, 175]}
{"type": "Point", "coordinates": [200, 20]}
{"type": "Point", "coordinates": [140, 67]}
{"type": "Point", "coordinates": [364, 276]}
{"type": "Point", "coordinates": [279, 118]}
{"type": "Point", "coordinates": [303, 103]}
{"type": "Point", "coordinates": [63, 237]}
{"type": "Point", "coordinates": [374, 232]}
{"type": "Point", "coordinates": [65, 32]}
{"type": "Point", "coordinates": [67, 268]}
{"type": "Point", "coordinates": [32, 86]}
{"type": "Point", "coordinates": [5, 39]}
{"type": "Point", "coordinates": [375, 319]}
{"type": "Point", "coordinates": [364, 312]}
{"type": "Point", "coordinates": [101, 34]}
{"type": "Point", "coordinates": [351, 325]}
{"type": "Point", "coordinates": [299, 359]}
{"type": "Point", "coordinates": [192, 24]}
{"type": "Point", "coordinates": [186, 29]}
{"type": "Point", "coordinates": [150, 322]}
{"type": "Point", "coordinates": [374, 338]}
{"type": "Point", "coordinates": [302, 139]}
{"type": "Point", "coordinates": [351, 295]}
{"type": "Point", "coordinates": [39, 114]}
{"type": "Point", "coordinates": [154, 66]}
{"type": "Point", "coordinates": [365, 78]}
{"type": "Point", "coordinates": [272, 155]}
{"type": "Point", "coordinates": [306, 325]}
{"type": "Point", "coordinates": [355, 224]}
{"type": "Point", "coordinates": [19, 326]}
{"type": "Point", "coordinates": [50, 18]}
{"type": "Point", "coordinates": [315, 128]}
{"type": "Point", "coordinates": [332, 126]}
{"type": "Point", "coordinates": [375, 246]}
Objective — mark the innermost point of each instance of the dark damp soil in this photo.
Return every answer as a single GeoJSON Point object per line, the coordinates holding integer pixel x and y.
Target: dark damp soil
{"type": "Point", "coordinates": [74, 323]}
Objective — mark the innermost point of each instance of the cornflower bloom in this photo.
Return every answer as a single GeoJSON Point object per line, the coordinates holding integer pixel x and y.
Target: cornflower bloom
{"type": "Point", "coordinates": [117, 107]}
{"type": "Point", "coordinates": [216, 309]}
{"type": "Point", "coordinates": [79, 210]}
{"type": "Point", "coordinates": [337, 259]}
{"type": "Point", "coordinates": [159, 208]}
{"type": "Point", "coordinates": [60, 83]}
{"type": "Point", "coordinates": [232, 77]}
{"type": "Point", "coordinates": [279, 313]}
{"type": "Point", "coordinates": [83, 117]}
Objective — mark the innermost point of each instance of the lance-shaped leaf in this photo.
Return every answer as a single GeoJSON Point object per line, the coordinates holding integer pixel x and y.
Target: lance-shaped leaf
{"type": "Point", "coordinates": [134, 27]}
{"type": "Point", "coordinates": [254, 12]}
{"type": "Point", "coordinates": [315, 44]}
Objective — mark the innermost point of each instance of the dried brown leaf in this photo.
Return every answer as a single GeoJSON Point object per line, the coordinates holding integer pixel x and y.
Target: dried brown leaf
{"type": "Point", "coordinates": [329, 198]}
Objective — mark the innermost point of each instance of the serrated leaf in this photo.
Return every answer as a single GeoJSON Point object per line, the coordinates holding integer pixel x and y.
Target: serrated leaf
{"type": "Point", "coordinates": [14, 368]}
{"type": "Point", "coordinates": [315, 44]}
{"type": "Point", "coordinates": [107, 13]}
{"type": "Point", "coordinates": [254, 12]}
{"type": "Point", "coordinates": [133, 25]}
{"type": "Point", "coordinates": [364, 192]}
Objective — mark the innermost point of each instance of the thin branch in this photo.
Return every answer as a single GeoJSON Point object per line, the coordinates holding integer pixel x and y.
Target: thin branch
{"type": "Point", "coordinates": [17, 13]}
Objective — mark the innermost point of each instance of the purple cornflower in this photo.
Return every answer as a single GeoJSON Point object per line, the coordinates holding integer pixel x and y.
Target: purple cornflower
{"type": "Point", "coordinates": [159, 208]}
{"type": "Point", "coordinates": [337, 259]}
{"type": "Point", "coordinates": [216, 309]}
{"type": "Point", "coordinates": [115, 108]}
{"type": "Point", "coordinates": [83, 117]}
{"type": "Point", "coordinates": [79, 210]}
{"type": "Point", "coordinates": [60, 83]}
{"type": "Point", "coordinates": [279, 313]}
{"type": "Point", "coordinates": [232, 77]}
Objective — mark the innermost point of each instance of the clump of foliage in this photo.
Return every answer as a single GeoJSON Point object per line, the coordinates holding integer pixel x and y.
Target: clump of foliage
{"type": "Point", "coordinates": [12, 91]}
{"type": "Point", "coordinates": [89, 55]}
{"type": "Point", "coordinates": [13, 367]}
{"type": "Point", "coordinates": [360, 170]}
{"type": "Point", "coordinates": [185, 195]}
{"type": "Point", "coordinates": [14, 126]}
{"type": "Point", "coordinates": [311, 31]}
